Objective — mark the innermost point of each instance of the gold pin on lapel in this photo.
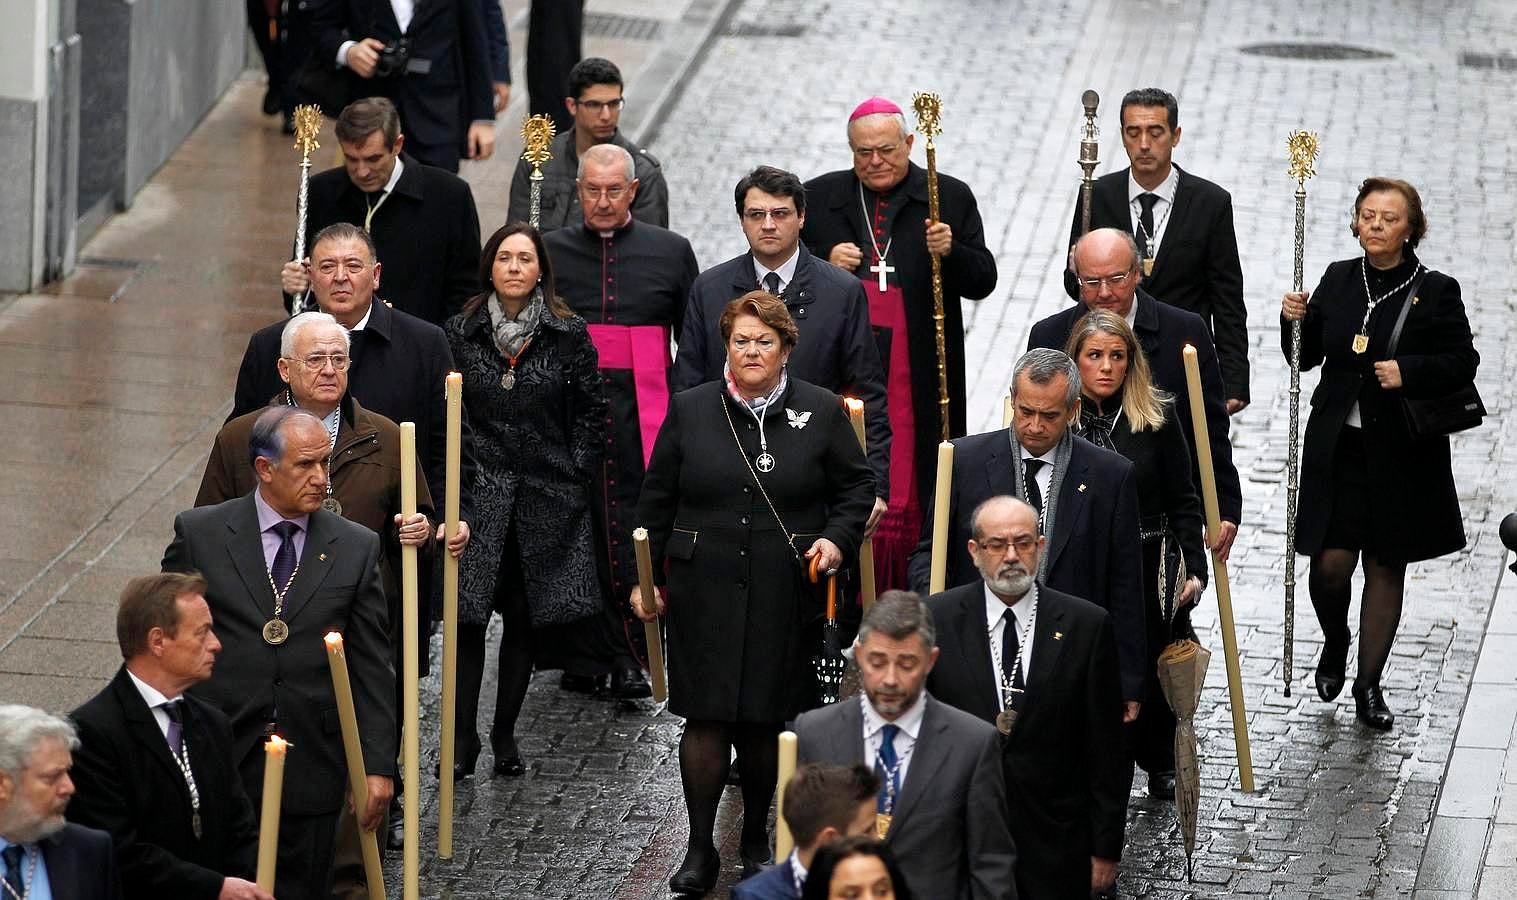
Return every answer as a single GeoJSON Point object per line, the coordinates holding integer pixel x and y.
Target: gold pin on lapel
{"type": "Point", "coordinates": [1082, 488]}
{"type": "Point", "coordinates": [323, 557]}
{"type": "Point", "coordinates": [1059, 635]}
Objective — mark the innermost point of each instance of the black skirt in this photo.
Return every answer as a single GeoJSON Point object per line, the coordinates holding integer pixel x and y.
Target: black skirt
{"type": "Point", "coordinates": [1348, 525]}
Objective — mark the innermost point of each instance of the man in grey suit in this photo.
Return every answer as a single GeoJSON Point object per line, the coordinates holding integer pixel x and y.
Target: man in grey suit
{"type": "Point", "coordinates": [281, 573]}
{"type": "Point", "coordinates": [942, 801]}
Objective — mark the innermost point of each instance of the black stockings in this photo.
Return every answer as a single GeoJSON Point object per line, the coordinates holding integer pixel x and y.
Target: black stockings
{"type": "Point", "coordinates": [515, 673]}
{"type": "Point", "coordinates": [1379, 611]}
{"type": "Point", "coordinates": [704, 750]}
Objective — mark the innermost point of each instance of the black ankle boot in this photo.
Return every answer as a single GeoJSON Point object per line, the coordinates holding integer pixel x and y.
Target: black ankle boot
{"type": "Point", "coordinates": [698, 873]}
{"type": "Point", "coordinates": [1330, 668]}
{"type": "Point", "coordinates": [1369, 706]}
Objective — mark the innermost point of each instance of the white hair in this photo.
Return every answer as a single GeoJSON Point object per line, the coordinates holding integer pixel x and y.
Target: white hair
{"type": "Point", "coordinates": [605, 155]}
{"type": "Point", "coordinates": [297, 324]}
{"type": "Point", "coordinates": [898, 118]}
{"type": "Point", "coordinates": [22, 729]}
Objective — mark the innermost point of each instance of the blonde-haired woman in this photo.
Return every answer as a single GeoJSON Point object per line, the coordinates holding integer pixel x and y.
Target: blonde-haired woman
{"type": "Point", "coordinates": [1121, 410]}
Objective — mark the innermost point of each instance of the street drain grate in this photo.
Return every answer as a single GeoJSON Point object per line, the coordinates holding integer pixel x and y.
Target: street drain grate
{"type": "Point", "coordinates": [630, 28]}
{"type": "Point", "coordinates": [756, 29]}
{"type": "Point", "coordinates": [1500, 62]}
{"type": "Point", "coordinates": [1316, 52]}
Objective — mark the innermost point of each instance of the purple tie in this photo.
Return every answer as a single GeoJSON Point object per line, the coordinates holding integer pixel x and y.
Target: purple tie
{"type": "Point", "coordinates": [175, 711]}
{"type": "Point", "coordinates": [284, 558]}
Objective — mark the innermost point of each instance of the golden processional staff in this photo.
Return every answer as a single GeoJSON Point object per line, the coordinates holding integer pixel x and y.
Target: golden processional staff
{"type": "Point", "coordinates": [536, 135]}
{"type": "Point", "coordinates": [1090, 148]}
{"type": "Point", "coordinates": [307, 123]}
{"type": "Point", "coordinates": [929, 111]}
{"type": "Point", "coordinates": [1303, 150]}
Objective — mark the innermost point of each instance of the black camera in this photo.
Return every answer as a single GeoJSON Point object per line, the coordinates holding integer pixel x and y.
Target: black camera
{"type": "Point", "coordinates": [393, 59]}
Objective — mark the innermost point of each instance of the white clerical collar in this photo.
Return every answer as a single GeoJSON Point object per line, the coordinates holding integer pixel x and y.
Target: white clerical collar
{"type": "Point", "coordinates": [1165, 189]}
{"type": "Point", "coordinates": [150, 695]}
{"type": "Point", "coordinates": [909, 721]}
{"type": "Point", "coordinates": [362, 323]}
{"type": "Point", "coordinates": [995, 606]}
{"type": "Point", "coordinates": [786, 269]}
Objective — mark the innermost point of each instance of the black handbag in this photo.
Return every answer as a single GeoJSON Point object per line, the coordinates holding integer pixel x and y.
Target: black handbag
{"type": "Point", "coordinates": [1426, 417]}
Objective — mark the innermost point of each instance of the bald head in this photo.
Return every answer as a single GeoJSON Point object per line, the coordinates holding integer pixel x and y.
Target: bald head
{"type": "Point", "coordinates": [1106, 263]}
{"type": "Point", "coordinates": [606, 157]}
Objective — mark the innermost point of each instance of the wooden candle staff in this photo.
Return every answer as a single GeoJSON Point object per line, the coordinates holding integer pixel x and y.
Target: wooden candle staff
{"type": "Point", "coordinates": [268, 823]}
{"type": "Point", "coordinates": [410, 647]}
{"type": "Point", "coordinates": [866, 550]}
{"type": "Point", "coordinates": [1219, 569]}
{"type": "Point", "coordinates": [651, 631]}
{"type": "Point", "coordinates": [358, 782]}
{"type": "Point", "coordinates": [784, 842]}
{"type": "Point", "coordinates": [454, 391]}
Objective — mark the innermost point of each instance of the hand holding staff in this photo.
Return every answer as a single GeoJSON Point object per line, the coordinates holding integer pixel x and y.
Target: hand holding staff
{"type": "Point", "coordinates": [1303, 150]}
{"type": "Point", "coordinates": [454, 387]}
{"type": "Point", "coordinates": [358, 783]}
{"type": "Point", "coordinates": [1219, 565]}
{"type": "Point", "coordinates": [410, 647]}
{"type": "Point", "coordinates": [647, 600]}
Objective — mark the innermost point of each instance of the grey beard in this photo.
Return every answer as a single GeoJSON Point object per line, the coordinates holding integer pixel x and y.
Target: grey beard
{"type": "Point", "coordinates": [1011, 584]}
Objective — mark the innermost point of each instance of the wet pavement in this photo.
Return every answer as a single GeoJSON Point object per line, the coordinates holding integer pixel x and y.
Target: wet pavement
{"type": "Point", "coordinates": [113, 383]}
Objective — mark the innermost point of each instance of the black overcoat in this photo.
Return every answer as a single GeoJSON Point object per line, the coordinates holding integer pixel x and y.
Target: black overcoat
{"type": "Point", "coordinates": [837, 349]}
{"type": "Point", "coordinates": [738, 609]}
{"type": "Point", "coordinates": [834, 216]}
{"type": "Point", "coordinates": [538, 446]}
{"type": "Point", "coordinates": [1414, 510]}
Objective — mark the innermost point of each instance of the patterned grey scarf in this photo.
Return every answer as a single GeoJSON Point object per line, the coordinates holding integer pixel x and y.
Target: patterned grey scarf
{"type": "Point", "coordinates": [1061, 454]}
{"type": "Point", "coordinates": [511, 335]}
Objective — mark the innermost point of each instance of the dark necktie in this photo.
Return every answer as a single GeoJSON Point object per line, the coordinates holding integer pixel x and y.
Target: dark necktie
{"type": "Point", "coordinates": [772, 283]}
{"type": "Point", "coordinates": [885, 767]}
{"type": "Point", "coordinates": [1009, 646]}
{"type": "Point", "coordinates": [1030, 468]}
{"type": "Point", "coordinates": [1146, 220]}
{"type": "Point", "coordinates": [355, 347]}
{"type": "Point", "coordinates": [175, 711]}
{"type": "Point", "coordinates": [15, 878]}
{"type": "Point", "coordinates": [284, 558]}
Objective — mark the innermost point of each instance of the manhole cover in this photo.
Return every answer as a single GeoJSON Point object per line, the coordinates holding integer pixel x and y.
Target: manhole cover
{"type": "Point", "coordinates": [632, 28]}
{"type": "Point", "coordinates": [1316, 52]}
{"type": "Point", "coordinates": [1501, 62]}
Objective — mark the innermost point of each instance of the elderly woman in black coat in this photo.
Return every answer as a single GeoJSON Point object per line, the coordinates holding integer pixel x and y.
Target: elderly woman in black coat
{"type": "Point", "coordinates": [752, 478]}
{"type": "Point", "coordinates": [1370, 493]}
{"type": "Point", "coordinates": [534, 398]}
{"type": "Point", "coordinates": [1123, 411]}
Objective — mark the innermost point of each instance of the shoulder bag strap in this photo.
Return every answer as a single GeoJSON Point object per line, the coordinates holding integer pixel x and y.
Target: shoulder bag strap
{"type": "Point", "coordinates": [789, 536]}
{"type": "Point", "coordinates": [1406, 307]}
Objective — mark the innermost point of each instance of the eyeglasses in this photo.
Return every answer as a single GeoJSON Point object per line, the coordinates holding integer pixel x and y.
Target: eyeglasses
{"type": "Point", "coordinates": [999, 545]}
{"type": "Point", "coordinates": [595, 106]}
{"type": "Point", "coordinates": [612, 194]}
{"type": "Point", "coordinates": [330, 267]}
{"type": "Point", "coordinates": [318, 361]}
{"type": "Point", "coordinates": [863, 153]}
{"type": "Point", "coordinates": [780, 216]}
{"type": "Point", "coordinates": [1111, 281]}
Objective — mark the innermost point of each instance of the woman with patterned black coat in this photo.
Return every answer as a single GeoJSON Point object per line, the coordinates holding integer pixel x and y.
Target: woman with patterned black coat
{"type": "Point", "coordinates": [533, 394]}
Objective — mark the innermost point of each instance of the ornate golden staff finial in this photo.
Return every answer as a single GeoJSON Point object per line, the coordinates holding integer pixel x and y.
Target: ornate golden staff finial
{"type": "Point", "coordinates": [307, 124]}
{"type": "Point", "coordinates": [929, 110]}
{"type": "Point", "coordinates": [1303, 151]}
{"type": "Point", "coordinates": [536, 136]}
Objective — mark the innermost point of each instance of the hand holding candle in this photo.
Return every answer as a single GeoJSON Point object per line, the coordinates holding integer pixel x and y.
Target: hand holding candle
{"type": "Point", "coordinates": [342, 687]}
{"type": "Point", "coordinates": [649, 606]}
{"type": "Point", "coordinates": [454, 387]}
{"type": "Point", "coordinates": [268, 822]}
{"type": "Point", "coordinates": [410, 721]}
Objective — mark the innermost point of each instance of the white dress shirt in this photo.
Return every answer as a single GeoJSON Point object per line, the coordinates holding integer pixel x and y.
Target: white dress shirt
{"type": "Point", "coordinates": [909, 725]}
{"type": "Point", "coordinates": [786, 271]}
{"type": "Point", "coordinates": [1044, 476]}
{"type": "Point", "coordinates": [154, 701]}
{"type": "Point", "coordinates": [1166, 202]}
{"type": "Point", "coordinates": [996, 612]}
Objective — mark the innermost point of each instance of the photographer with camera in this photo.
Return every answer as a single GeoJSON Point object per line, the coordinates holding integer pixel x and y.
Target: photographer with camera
{"type": "Point", "coordinates": [430, 59]}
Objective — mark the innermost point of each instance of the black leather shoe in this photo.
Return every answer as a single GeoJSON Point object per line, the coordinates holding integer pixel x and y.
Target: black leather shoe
{"type": "Point", "coordinates": [579, 684]}
{"type": "Point", "coordinates": [465, 758]}
{"type": "Point", "coordinates": [510, 765]}
{"type": "Point", "coordinates": [1161, 785]}
{"type": "Point", "coordinates": [1369, 706]}
{"type": "Point", "coordinates": [395, 832]}
{"type": "Point", "coordinates": [756, 858]}
{"type": "Point", "coordinates": [1330, 670]}
{"type": "Point", "coordinates": [630, 684]}
{"type": "Point", "coordinates": [698, 873]}
{"type": "Point", "coordinates": [270, 101]}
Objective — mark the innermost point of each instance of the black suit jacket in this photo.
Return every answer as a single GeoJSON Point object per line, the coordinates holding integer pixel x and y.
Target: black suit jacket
{"type": "Point", "coordinates": [1197, 265]}
{"type": "Point", "coordinates": [1094, 553]}
{"type": "Point", "coordinates": [426, 235]}
{"type": "Point", "coordinates": [949, 830]}
{"type": "Point", "coordinates": [128, 784]}
{"type": "Point", "coordinates": [400, 365]}
{"type": "Point", "coordinates": [1067, 776]}
{"type": "Point", "coordinates": [337, 588]}
{"type": "Point", "coordinates": [1164, 330]}
{"type": "Point", "coordinates": [80, 864]}
{"type": "Point", "coordinates": [436, 107]}
{"type": "Point", "coordinates": [837, 348]}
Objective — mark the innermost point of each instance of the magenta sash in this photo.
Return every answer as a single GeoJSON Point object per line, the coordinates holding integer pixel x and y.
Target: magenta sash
{"type": "Point", "coordinates": [645, 350]}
